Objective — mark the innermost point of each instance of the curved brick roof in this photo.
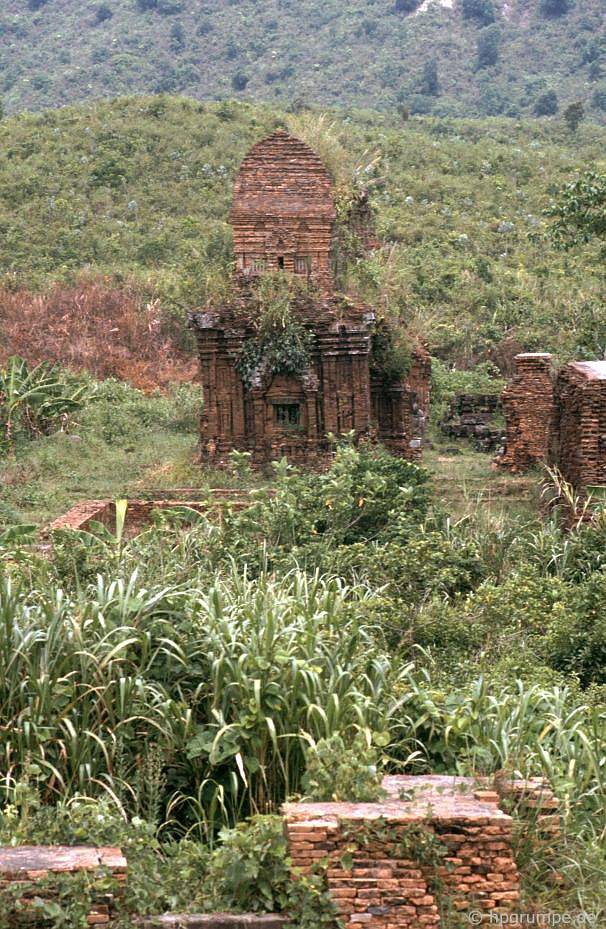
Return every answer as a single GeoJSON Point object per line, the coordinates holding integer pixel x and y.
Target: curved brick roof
{"type": "Point", "coordinates": [282, 176]}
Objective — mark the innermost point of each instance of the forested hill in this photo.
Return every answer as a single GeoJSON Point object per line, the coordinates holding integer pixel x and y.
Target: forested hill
{"type": "Point", "coordinates": [446, 57]}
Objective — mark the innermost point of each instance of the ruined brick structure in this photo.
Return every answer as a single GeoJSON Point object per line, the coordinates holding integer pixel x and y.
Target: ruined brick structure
{"type": "Point", "coordinates": [471, 416]}
{"type": "Point", "coordinates": [32, 868]}
{"type": "Point", "coordinates": [437, 843]}
{"type": "Point", "coordinates": [557, 418]}
{"type": "Point", "coordinates": [528, 407]}
{"type": "Point", "coordinates": [140, 513]}
{"type": "Point", "coordinates": [283, 217]}
{"type": "Point", "coordinates": [579, 435]}
{"type": "Point", "coordinates": [386, 883]}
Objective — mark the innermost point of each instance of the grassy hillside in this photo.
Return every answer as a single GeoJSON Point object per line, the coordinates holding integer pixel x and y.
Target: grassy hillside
{"type": "Point", "coordinates": [454, 57]}
{"type": "Point", "coordinates": [137, 191]}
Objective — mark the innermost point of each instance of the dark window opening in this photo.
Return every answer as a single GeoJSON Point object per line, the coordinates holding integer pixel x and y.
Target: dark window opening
{"type": "Point", "coordinates": [281, 262]}
{"type": "Point", "coordinates": [287, 414]}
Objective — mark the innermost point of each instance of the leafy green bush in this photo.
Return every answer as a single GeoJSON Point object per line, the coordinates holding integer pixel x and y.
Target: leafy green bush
{"type": "Point", "coordinates": [338, 772]}
{"type": "Point", "coordinates": [249, 871]}
{"type": "Point", "coordinates": [34, 401]}
{"type": "Point", "coordinates": [555, 7]}
{"type": "Point", "coordinates": [547, 104]}
{"type": "Point", "coordinates": [576, 640]}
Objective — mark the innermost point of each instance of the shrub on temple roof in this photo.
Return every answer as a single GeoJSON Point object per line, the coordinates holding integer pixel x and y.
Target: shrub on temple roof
{"type": "Point", "coordinates": [282, 344]}
{"type": "Point", "coordinates": [391, 352]}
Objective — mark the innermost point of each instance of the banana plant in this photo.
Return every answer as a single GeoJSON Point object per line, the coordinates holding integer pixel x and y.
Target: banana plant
{"type": "Point", "coordinates": [35, 399]}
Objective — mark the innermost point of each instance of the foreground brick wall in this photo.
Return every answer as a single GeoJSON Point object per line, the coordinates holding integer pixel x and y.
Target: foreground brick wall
{"type": "Point", "coordinates": [529, 409]}
{"type": "Point", "coordinates": [28, 866]}
{"type": "Point", "coordinates": [579, 447]}
{"type": "Point", "coordinates": [213, 921]}
{"type": "Point", "coordinates": [387, 889]}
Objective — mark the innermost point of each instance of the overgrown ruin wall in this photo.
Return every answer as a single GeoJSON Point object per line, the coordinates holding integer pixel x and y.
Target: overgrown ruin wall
{"type": "Point", "coordinates": [559, 420]}
{"type": "Point", "coordinates": [140, 513]}
{"type": "Point", "coordinates": [579, 440]}
{"type": "Point", "coordinates": [30, 871]}
{"type": "Point", "coordinates": [529, 409]}
{"type": "Point", "coordinates": [436, 842]}
{"type": "Point", "coordinates": [471, 416]}
{"type": "Point", "coordinates": [283, 217]}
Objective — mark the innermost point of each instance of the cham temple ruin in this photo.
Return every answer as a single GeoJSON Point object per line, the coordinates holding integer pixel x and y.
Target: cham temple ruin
{"type": "Point", "coordinates": [283, 217]}
{"type": "Point", "coordinates": [557, 417]}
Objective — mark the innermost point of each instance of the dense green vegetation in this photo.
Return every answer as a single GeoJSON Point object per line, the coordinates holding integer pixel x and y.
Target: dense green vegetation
{"type": "Point", "coordinates": [225, 660]}
{"type": "Point", "coordinates": [167, 692]}
{"type": "Point", "coordinates": [478, 58]}
{"type": "Point", "coordinates": [139, 189]}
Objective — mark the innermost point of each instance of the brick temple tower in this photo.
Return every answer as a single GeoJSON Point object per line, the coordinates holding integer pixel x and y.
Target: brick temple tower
{"type": "Point", "coordinates": [283, 211]}
{"type": "Point", "coordinates": [283, 217]}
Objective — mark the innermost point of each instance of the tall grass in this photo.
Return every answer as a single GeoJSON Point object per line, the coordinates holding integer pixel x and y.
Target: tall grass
{"type": "Point", "coordinates": [225, 687]}
{"type": "Point", "coordinates": [228, 685]}
{"type": "Point", "coordinates": [526, 729]}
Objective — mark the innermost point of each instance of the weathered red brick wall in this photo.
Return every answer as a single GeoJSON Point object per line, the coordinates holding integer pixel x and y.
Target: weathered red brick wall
{"type": "Point", "coordinates": [400, 410]}
{"type": "Point", "coordinates": [283, 208]}
{"type": "Point", "coordinates": [28, 865]}
{"type": "Point", "coordinates": [139, 513]}
{"type": "Point", "coordinates": [529, 409]}
{"type": "Point", "coordinates": [383, 885]}
{"type": "Point", "coordinates": [579, 447]}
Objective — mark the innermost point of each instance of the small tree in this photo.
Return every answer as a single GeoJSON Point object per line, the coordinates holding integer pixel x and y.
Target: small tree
{"type": "Point", "coordinates": [488, 47]}
{"type": "Point", "coordinates": [177, 37]}
{"type": "Point", "coordinates": [598, 98]}
{"type": "Point", "coordinates": [407, 6]}
{"type": "Point", "coordinates": [547, 104]}
{"type": "Point", "coordinates": [103, 13]}
{"type": "Point", "coordinates": [430, 81]}
{"type": "Point", "coordinates": [574, 115]}
{"type": "Point", "coordinates": [580, 211]}
{"type": "Point", "coordinates": [481, 10]}
{"type": "Point", "coordinates": [239, 81]}
{"type": "Point", "coordinates": [555, 7]}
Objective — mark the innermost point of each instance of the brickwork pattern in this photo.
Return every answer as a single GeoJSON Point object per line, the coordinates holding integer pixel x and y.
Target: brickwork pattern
{"type": "Point", "coordinates": [283, 211]}
{"type": "Point", "coordinates": [579, 446]}
{"type": "Point", "coordinates": [533, 801]}
{"type": "Point", "coordinates": [140, 512]}
{"type": "Point", "coordinates": [29, 865]}
{"type": "Point", "coordinates": [529, 410]}
{"type": "Point", "coordinates": [471, 416]}
{"type": "Point", "coordinates": [283, 218]}
{"type": "Point", "coordinates": [382, 889]}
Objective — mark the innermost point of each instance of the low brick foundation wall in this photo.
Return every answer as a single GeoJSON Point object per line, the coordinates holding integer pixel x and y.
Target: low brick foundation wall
{"type": "Point", "coordinates": [139, 513]}
{"type": "Point", "coordinates": [380, 873]}
{"type": "Point", "coordinates": [30, 866]}
{"type": "Point", "coordinates": [471, 416]}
